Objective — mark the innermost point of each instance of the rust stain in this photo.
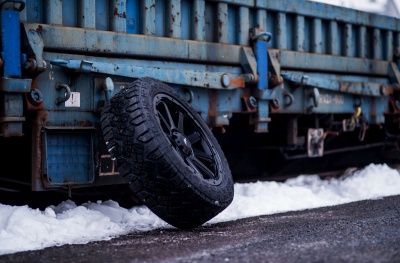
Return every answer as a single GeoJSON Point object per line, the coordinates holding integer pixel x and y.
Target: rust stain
{"type": "Point", "coordinates": [237, 83]}
{"type": "Point", "coordinates": [40, 29]}
{"type": "Point", "coordinates": [122, 15]}
{"type": "Point", "coordinates": [372, 112]}
{"type": "Point", "coordinates": [196, 19]}
{"type": "Point", "coordinates": [212, 111]}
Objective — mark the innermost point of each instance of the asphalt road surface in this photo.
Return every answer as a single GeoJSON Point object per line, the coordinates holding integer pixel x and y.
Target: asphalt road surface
{"type": "Point", "coordinates": [366, 231]}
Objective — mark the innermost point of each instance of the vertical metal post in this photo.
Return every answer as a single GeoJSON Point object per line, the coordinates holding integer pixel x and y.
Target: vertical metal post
{"type": "Point", "coordinates": [87, 16]}
{"type": "Point", "coordinates": [348, 40]}
{"type": "Point", "coordinates": [54, 12]}
{"type": "Point", "coordinates": [118, 15]}
{"type": "Point", "coordinates": [149, 17]}
{"type": "Point", "coordinates": [363, 50]}
{"type": "Point", "coordinates": [199, 21]}
{"type": "Point", "coordinates": [333, 43]}
{"type": "Point", "coordinates": [244, 26]}
{"type": "Point", "coordinates": [300, 31]}
{"type": "Point", "coordinates": [222, 29]}
{"type": "Point", "coordinates": [261, 54]}
{"type": "Point", "coordinates": [174, 18]}
{"type": "Point", "coordinates": [389, 47]}
{"type": "Point", "coordinates": [377, 44]}
{"type": "Point", "coordinates": [281, 34]}
{"type": "Point", "coordinates": [263, 94]}
{"type": "Point", "coordinates": [261, 17]}
{"type": "Point", "coordinates": [317, 36]}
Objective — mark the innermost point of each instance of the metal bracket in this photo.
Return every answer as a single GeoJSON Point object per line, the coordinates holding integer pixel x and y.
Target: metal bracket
{"type": "Point", "coordinates": [249, 64]}
{"type": "Point", "coordinates": [273, 56]}
{"type": "Point", "coordinates": [196, 78]}
{"type": "Point", "coordinates": [359, 88]}
{"type": "Point", "coordinates": [36, 43]}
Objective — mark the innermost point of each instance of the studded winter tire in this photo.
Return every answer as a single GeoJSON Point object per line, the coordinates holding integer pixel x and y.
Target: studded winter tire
{"type": "Point", "coordinates": [166, 153]}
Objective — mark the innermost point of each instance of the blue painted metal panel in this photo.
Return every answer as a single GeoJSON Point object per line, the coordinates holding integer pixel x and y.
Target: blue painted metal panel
{"type": "Point", "coordinates": [69, 13]}
{"type": "Point", "coordinates": [34, 11]}
{"type": "Point", "coordinates": [187, 19]}
{"type": "Point", "coordinates": [160, 18]}
{"type": "Point", "coordinates": [102, 15]}
{"type": "Point", "coordinates": [69, 158]}
{"type": "Point", "coordinates": [232, 25]}
{"type": "Point", "coordinates": [261, 52]}
{"type": "Point", "coordinates": [132, 16]}
{"type": "Point", "coordinates": [10, 33]}
{"type": "Point", "coordinates": [333, 45]}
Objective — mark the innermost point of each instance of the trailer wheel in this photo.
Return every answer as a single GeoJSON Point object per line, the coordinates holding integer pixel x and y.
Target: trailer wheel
{"type": "Point", "coordinates": [166, 153]}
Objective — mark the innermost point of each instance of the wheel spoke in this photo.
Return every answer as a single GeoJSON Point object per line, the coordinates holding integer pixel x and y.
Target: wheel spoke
{"type": "Point", "coordinates": [180, 125]}
{"type": "Point", "coordinates": [202, 155]}
{"type": "Point", "coordinates": [204, 169]}
{"type": "Point", "coordinates": [205, 147]}
{"type": "Point", "coordinates": [193, 138]}
{"type": "Point", "coordinates": [171, 121]}
{"type": "Point", "coordinates": [164, 121]}
{"type": "Point", "coordinates": [180, 122]}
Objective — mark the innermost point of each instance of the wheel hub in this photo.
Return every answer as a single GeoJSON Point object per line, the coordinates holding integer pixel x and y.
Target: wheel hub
{"type": "Point", "coordinates": [182, 142]}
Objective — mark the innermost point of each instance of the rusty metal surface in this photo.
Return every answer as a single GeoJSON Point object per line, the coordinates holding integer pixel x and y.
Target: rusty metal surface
{"type": "Point", "coordinates": [342, 62]}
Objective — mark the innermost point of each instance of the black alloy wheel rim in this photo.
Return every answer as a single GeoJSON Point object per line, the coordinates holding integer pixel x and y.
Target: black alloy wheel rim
{"type": "Point", "coordinates": [188, 138]}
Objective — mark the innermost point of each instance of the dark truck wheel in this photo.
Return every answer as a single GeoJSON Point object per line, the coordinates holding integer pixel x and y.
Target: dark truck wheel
{"type": "Point", "coordinates": [166, 153]}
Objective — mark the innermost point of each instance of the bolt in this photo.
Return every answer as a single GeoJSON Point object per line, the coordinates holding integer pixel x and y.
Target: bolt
{"type": "Point", "coordinates": [225, 80]}
{"type": "Point", "coordinates": [248, 78]}
{"type": "Point", "coordinates": [275, 103]}
{"type": "Point", "coordinates": [383, 89]}
{"type": "Point", "coordinates": [252, 102]}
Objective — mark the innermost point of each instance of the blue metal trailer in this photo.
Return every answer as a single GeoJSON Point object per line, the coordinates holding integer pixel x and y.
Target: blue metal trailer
{"type": "Point", "coordinates": [102, 92]}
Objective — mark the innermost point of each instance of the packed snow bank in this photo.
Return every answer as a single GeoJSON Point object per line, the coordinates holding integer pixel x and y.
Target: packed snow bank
{"type": "Point", "coordinates": [23, 228]}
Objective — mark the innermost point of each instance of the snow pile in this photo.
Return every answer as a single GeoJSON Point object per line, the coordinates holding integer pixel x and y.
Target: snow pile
{"type": "Point", "coordinates": [23, 228]}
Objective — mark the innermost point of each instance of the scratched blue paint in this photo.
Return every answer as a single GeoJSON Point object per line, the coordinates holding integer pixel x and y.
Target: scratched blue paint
{"type": "Point", "coordinates": [327, 52]}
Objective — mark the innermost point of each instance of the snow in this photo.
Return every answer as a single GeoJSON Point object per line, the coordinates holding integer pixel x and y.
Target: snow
{"type": "Point", "coordinates": [23, 228]}
{"type": "Point", "coordinates": [374, 6]}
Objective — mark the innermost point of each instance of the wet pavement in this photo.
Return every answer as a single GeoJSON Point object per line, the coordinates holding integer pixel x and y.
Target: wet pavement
{"type": "Point", "coordinates": [366, 231]}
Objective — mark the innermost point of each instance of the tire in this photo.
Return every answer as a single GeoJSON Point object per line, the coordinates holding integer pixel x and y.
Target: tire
{"type": "Point", "coordinates": [166, 153]}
